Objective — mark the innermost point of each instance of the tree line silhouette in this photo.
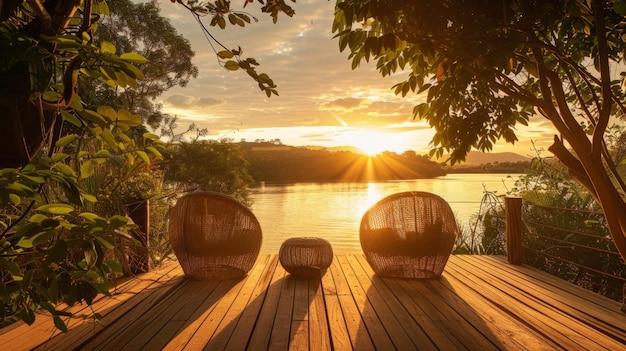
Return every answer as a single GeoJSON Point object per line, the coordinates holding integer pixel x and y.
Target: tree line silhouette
{"type": "Point", "coordinates": [281, 163]}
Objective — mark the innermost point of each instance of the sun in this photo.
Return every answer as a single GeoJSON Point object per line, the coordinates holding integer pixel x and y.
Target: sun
{"type": "Point", "coordinates": [372, 142]}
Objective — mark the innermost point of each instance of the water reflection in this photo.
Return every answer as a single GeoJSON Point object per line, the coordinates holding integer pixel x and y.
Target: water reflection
{"type": "Point", "coordinates": [333, 211]}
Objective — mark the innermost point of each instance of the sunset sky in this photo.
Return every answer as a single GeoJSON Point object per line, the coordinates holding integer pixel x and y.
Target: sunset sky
{"type": "Point", "coordinates": [322, 101]}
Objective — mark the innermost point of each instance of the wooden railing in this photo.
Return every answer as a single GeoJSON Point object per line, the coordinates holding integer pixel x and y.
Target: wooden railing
{"type": "Point", "coordinates": [586, 258]}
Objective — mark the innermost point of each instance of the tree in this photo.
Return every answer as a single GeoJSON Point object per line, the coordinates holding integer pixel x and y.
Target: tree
{"type": "Point", "coordinates": [209, 165]}
{"type": "Point", "coordinates": [486, 66]}
{"type": "Point", "coordinates": [141, 28]}
{"type": "Point", "coordinates": [55, 239]}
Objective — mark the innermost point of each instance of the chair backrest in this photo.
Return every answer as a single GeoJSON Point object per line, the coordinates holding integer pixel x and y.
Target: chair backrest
{"type": "Point", "coordinates": [410, 212]}
{"type": "Point", "coordinates": [210, 229]}
{"type": "Point", "coordinates": [409, 235]}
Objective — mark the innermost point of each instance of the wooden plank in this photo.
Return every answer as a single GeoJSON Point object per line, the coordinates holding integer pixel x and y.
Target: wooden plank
{"type": "Point", "coordinates": [189, 330]}
{"type": "Point", "coordinates": [281, 328]}
{"type": "Point", "coordinates": [146, 323]}
{"type": "Point", "coordinates": [374, 326]}
{"type": "Point", "coordinates": [340, 339]}
{"type": "Point", "coordinates": [451, 320]}
{"type": "Point", "coordinates": [43, 331]}
{"type": "Point", "coordinates": [319, 334]}
{"type": "Point", "coordinates": [404, 318]}
{"type": "Point", "coordinates": [582, 304]}
{"type": "Point", "coordinates": [260, 338]}
{"type": "Point", "coordinates": [480, 302]}
{"type": "Point", "coordinates": [528, 306]}
{"type": "Point", "coordinates": [349, 309]}
{"type": "Point", "coordinates": [246, 326]}
{"type": "Point", "coordinates": [299, 337]}
{"type": "Point", "coordinates": [510, 332]}
{"type": "Point", "coordinates": [215, 316]}
{"type": "Point", "coordinates": [246, 296]}
{"type": "Point", "coordinates": [411, 301]}
{"type": "Point", "coordinates": [388, 318]}
{"type": "Point", "coordinates": [115, 311]}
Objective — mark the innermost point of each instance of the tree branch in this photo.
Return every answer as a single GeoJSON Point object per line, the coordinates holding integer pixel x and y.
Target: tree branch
{"type": "Point", "coordinates": [574, 166]}
{"type": "Point", "coordinates": [603, 57]}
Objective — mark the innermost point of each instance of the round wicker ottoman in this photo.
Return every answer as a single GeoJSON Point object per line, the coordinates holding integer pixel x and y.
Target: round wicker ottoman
{"type": "Point", "coordinates": [306, 257]}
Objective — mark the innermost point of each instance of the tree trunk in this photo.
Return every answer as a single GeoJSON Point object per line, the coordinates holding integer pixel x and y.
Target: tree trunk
{"type": "Point", "coordinates": [28, 125]}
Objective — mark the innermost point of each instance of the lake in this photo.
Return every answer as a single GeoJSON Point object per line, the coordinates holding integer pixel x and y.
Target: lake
{"type": "Point", "coordinates": [333, 210]}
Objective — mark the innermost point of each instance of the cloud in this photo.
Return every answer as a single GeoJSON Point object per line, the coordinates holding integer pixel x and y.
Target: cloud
{"type": "Point", "coordinates": [192, 102]}
{"type": "Point", "coordinates": [344, 104]}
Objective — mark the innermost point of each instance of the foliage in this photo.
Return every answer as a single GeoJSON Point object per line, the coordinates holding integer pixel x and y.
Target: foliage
{"type": "Point", "coordinates": [565, 234]}
{"type": "Point", "coordinates": [56, 241]}
{"type": "Point", "coordinates": [485, 235]}
{"type": "Point", "coordinates": [139, 27]}
{"type": "Point", "coordinates": [486, 67]}
{"type": "Point", "coordinates": [63, 212]}
{"type": "Point", "coordinates": [209, 165]}
{"type": "Point", "coordinates": [220, 11]}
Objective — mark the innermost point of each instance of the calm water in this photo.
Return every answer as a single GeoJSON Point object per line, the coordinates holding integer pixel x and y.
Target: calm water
{"type": "Point", "coordinates": [333, 210]}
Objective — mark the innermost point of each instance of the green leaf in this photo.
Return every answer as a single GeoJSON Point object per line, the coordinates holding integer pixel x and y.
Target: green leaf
{"type": "Point", "coordinates": [102, 154]}
{"type": "Point", "coordinates": [89, 197]}
{"type": "Point", "coordinates": [117, 221]}
{"type": "Point", "coordinates": [65, 169]}
{"type": "Point", "coordinates": [231, 65]}
{"type": "Point", "coordinates": [60, 324]}
{"type": "Point", "coordinates": [150, 136]}
{"type": "Point", "coordinates": [34, 179]}
{"type": "Point", "coordinates": [132, 119]}
{"type": "Point", "coordinates": [86, 170]}
{"type": "Point", "coordinates": [154, 151]}
{"type": "Point", "coordinates": [12, 267]}
{"type": "Point", "coordinates": [41, 238]}
{"type": "Point", "coordinates": [57, 251]}
{"type": "Point", "coordinates": [109, 244]}
{"type": "Point", "coordinates": [117, 161]}
{"type": "Point", "coordinates": [144, 157]}
{"type": "Point", "coordinates": [37, 218]}
{"type": "Point", "coordinates": [27, 315]}
{"type": "Point", "coordinates": [108, 137]}
{"type": "Point", "coordinates": [70, 118]}
{"type": "Point", "coordinates": [14, 199]}
{"type": "Point", "coordinates": [92, 217]}
{"type": "Point", "coordinates": [108, 112]}
{"type": "Point", "coordinates": [93, 116]}
{"type": "Point", "coordinates": [225, 54]}
{"type": "Point", "coordinates": [114, 265]}
{"type": "Point", "coordinates": [107, 47]}
{"type": "Point", "coordinates": [66, 140]}
{"type": "Point", "coordinates": [134, 57]}
{"type": "Point", "coordinates": [56, 208]}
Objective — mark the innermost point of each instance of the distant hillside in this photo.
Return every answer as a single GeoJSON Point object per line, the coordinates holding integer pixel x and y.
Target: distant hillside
{"type": "Point", "coordinates": [476, 158]}
{"type": "Point", "coordinates": [281, 163]}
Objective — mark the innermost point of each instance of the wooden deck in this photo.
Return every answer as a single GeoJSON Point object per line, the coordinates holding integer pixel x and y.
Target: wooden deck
{"type": "Point", "coordinates": [480, 303]}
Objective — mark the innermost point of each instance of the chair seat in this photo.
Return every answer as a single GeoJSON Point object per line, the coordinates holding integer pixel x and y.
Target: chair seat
{"type": "Point", "coordinates": [408, 235]}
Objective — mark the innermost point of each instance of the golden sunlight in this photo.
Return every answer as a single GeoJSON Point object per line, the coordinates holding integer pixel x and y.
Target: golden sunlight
{"type": "Point", "coordinates": [372, 142]}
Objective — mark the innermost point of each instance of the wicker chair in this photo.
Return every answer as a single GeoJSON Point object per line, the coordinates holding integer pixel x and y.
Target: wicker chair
{"type": "Point", "coordinates": [214, 236]}
{"type": "Point", "coordinates": [408, 235]}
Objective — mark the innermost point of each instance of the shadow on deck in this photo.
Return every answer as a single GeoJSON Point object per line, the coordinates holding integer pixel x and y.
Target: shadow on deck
{"type": "Point", "coordinates": [480, 303]}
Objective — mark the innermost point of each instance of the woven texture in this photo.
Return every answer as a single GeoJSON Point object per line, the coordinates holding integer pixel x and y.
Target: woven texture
{"type": "Point", "coordinates": [408, 235]}
{"type": "Point", "coordinates": [214, 236]}
{"type": "Point", "coordinates": [306, 257]}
